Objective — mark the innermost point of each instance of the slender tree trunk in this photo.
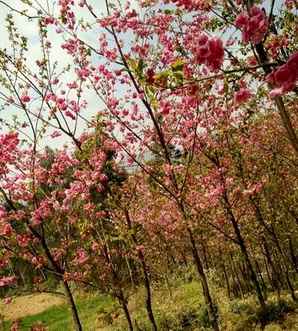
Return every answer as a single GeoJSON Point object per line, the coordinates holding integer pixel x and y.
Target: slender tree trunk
{"type": "Point", "coordinates": [59, 271]}
{"type": "Point", "coordinates": [244, 252]}
{"type": "Point", "coordinates": [271, 230]}
{"type": "Point", "coordinates": [293, 255]}
{"type": "Point", "coordinates": [123, 303]}
{"type": "Point", "coordinates": [284, 264]}
{"type": "Point", "coordinates": [145, 274]}
{"type": "Point", "coordinates": [168, 285]}
{"type": "Point", "coordinates": [261, 278]}
{"type": "Point", "coordinates": [130, 273]}
{"type": "Point", "coordinates": [184, 259]}
{"type": "Point", "coordinates": [285, 117]}
{"type": "Point", "coordinates": [205, 255]}
{"type": "Point", "coordinates": [246, 277]}
{"type": "Point", "coordinates": [148, 294]}
{"type": "Point", "coordinates": [74, 311]}
{"type": "Point", "coordinates": [236, 278]}
{"type": "Point", "coordinates": [271, 281]}
{"type": "Point", "coordinates": [206, 292]}
{"type": "Point", "coordinates": [226, 279]}
{"type": "Point", "coordinates": [118, 293]}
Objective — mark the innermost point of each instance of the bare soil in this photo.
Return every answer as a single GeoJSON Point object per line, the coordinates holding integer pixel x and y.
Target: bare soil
{"type": "Point", "coordinates": [22, 306]}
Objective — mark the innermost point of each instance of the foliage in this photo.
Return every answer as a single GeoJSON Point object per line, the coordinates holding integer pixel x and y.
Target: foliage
{"type": "Point", "coordinates": [189, 164]}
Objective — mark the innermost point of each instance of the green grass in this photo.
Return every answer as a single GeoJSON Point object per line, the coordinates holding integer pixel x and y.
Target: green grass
{"type": "Point", "coordinates": [58, 318]}
{"type": "Point", "coordinates": [181, 310]}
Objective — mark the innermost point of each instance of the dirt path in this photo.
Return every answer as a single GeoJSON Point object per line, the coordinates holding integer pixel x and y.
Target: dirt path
{"type": "Point", "coordinates": [29, 305]}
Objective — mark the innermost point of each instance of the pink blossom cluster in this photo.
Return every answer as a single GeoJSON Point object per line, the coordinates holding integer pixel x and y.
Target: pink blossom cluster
{"type": "Point", "coordinates": [44, 210]}
{"type": "Point", "coordinates": [71, 45]}
{"type": "Point", "coordinates": [7, 300]}
{"type": "Point", "coordinates": [25, 98]}
{"type": "Point", "coordinates": [68, 16]}
{"type": "Point", "coordinates": [7, 281]}
{"type": "Point", "coordinates": [291, 4]}
{"type": "Point", "coordinates": [275, 44]}
{"type": "Point", "coordinates": [242, 96]}
{"type": "Point", "coordinates": [8, 145]}
{"type": "Point", "coordinates": [5, 229]}
{"type": "Point", "coordinates": [81, 257]}
{"type": "Point", "coordinates": [23, 240]}
{"type": "Point", "coordinates": [285, 77]}
{"type": "Point", "coordinates": [48, 20]}
{"type": "Point", "coordinates": [208, 51]}
{"type": "Point", "coordinates": [253, 25]}
{"type": "Point", "coordinates": [191, 4]}
{"type": "Point", "coordinates": [253, 189]}
{"type": "Point", "coordinates": [62, 162]}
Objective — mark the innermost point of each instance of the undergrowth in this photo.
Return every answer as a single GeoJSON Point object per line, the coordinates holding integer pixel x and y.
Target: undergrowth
{"type": "Point", "coordinates": [181, 309]}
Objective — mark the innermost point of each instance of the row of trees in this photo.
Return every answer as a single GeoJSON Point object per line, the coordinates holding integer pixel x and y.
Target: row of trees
{"type": "Point", "coordinates": [200, 98]}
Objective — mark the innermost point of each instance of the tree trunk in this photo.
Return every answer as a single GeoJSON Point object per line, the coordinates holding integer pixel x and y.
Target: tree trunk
{"type": "Point", "coordinates": [293, 255]}
{"type": "Point", "coordinates": [210, 306]}
{"type": "Point", "coordinates": [145, 274]}
{"type": "Point", "coordinates": [74, 311]}
{"type": "Point", "coordinates": [244, 252]}
{"type": "Point", "coordinates": [226, 279]}
{"type": "Point", "coordinates": [148, 294]}
{"type": "Point", "coordinates": [285, 117]}
{"type": "Point", "coordinates": [123, 303]}
{"type": "Point", "coordinates": [236, 278]}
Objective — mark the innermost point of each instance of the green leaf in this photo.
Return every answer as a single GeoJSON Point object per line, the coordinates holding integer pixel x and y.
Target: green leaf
{"type": "Point", "coordinates": [178, 65]}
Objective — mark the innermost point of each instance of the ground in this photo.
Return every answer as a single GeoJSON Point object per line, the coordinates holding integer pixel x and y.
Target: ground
{"type": "Point", "coordinates": [33, 304]}
{"type": "Point", "coordinates": [182, 309]}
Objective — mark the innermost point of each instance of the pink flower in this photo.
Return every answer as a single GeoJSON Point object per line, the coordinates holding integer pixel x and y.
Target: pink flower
{"type": "Point", "coordinates": [241, 20]}
{"type": "Point", "coordinates": [253, 25]}
{"type": "Point", "coordinates": [7, 300]}
{"type": "Point", "coordinates": [293, 63]}
{"type": "Point", "coordinates": [209, 51]}
{"type": "Point", "coordinates": [70, 114]}
{"type": "Point", "coordinates": [23, 240]}
{"type": "Point", "coordinates": [283, 74]}
{"type": "Point", "coordinates": [49, 20]}
{"type": "Point", "coordinates": [242, 96]}
{"type": "Point", "coordinates": [95, 247]}
{"type": "Point", "coordinates": [276, 92]}
{"type": "Point", "coordinates": [81, 256]}
{"type": "Point", "coordinates": [6, 230]}
{"type": "Point", "coordinates": [56, 134]}
{"type": "Point", "coordinates": [7, 281]}
{"type": "Point", "coordinates": [285, 77]}
{"type": "Point", "coordinates": [140, 249]}
{"type": "Point", "coordinates": [25, 98]}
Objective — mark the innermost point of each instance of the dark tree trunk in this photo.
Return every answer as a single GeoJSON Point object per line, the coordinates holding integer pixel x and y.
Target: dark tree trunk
{"type": "Point", "coordinates": [74, 311]}
{"type": "Point", "coordinates": [146, 276]}
{"type": "Point", "coordinates": [293, 255]}
{"type": "Point", "coordinates": [244, 251]}
{"type": "Point", "coordinates": [236, 278]}
{"type": "Point", "coordinates": [226, 279]}
{"type": "Point", "coordinates": [206, 292]}
{"type": "Point", "coordinates": [123, 303]}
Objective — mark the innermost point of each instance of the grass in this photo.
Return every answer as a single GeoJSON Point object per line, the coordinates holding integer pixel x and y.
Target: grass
{"type": "Point", "coordinates": [181, 310]}
{"type": "Point", "coordinates": [58, 318]}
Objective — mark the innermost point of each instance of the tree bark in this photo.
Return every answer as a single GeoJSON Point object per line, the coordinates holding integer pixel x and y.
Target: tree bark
{"type": "Point", "coordinates": [285, 117]}
{"type": "Point", "coordinates": [74, 311]}
{"type": "Point", "coordinates": [244, 251]}
{"type": "Point", "coordinates": [206, 292]}
{"type": "Point", "coordinates": [145, 274]}
{"type": "Point", "coordinates": [123, 303]}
